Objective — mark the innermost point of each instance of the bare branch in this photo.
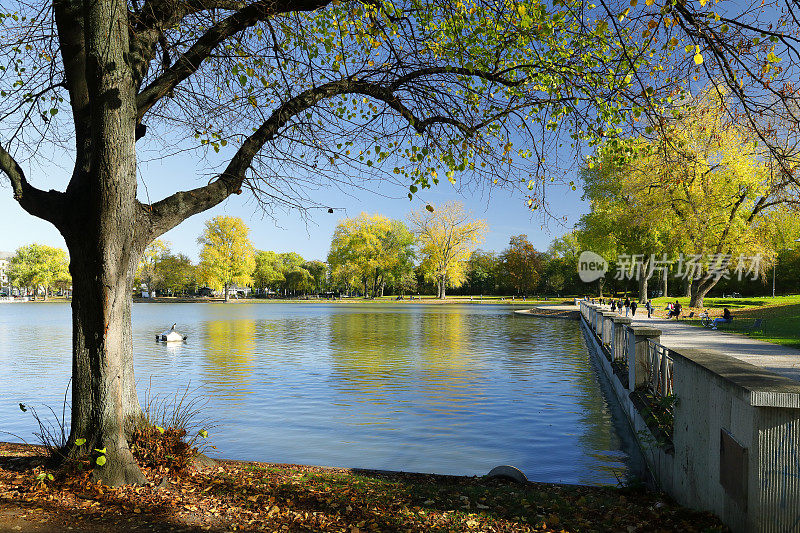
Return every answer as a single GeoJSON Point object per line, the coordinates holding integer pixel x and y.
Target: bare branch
{"type": "Point", "coordinates": [188, 63]}
{"type": "Point", "coordinates": [169, 212]}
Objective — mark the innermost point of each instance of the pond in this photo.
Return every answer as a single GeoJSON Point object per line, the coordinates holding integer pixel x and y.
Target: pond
{"type": "Point", "coordinates": [454, 389]}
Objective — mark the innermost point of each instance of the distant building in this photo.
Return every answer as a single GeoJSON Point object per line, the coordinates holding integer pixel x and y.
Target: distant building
{"type": "Point", "coordinates": [5, 285]}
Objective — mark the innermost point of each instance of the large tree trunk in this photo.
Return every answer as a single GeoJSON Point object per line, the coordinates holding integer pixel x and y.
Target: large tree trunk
{"type": "Point", "coordinates": [105, 407]}
{"type": "Point", "coordinates": [441, 286]}
{"type": "Point", "coordinates": [665, 274]}
{"type": "Point", "coordinates": [100, 231]}
{"type": "Point", "coordinates": [225, 291]}
{"type": "Point", "coordinates": [700, 289]}
{"type": "Point", "coordinates": [644, 276]}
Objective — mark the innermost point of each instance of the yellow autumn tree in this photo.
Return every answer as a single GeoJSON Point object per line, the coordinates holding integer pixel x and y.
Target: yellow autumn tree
{"type": "Point", "coordinates": [39, 267]}
{"type": "Point", "coordinates": [446, 236]}
{"type": "Point", "coordinates": [227, 257]}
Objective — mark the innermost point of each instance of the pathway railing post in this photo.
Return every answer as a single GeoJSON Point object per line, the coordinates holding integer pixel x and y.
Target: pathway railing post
{"type": "Point", "coordinates": [608, 329]}
{"type": "Point", "coordinates": [618, 344]}
{"type": "Point", "coordinates": [639, 353]}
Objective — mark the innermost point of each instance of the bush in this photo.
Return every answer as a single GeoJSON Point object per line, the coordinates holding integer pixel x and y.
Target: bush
{"type": "Point", "coordinates": [173, 431]}
{"type": "Point", "coordinates": [156, 447]}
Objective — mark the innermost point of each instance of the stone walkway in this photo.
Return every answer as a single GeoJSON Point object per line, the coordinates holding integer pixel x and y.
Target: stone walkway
{"type": "Point", "coordinates": [677, 334]}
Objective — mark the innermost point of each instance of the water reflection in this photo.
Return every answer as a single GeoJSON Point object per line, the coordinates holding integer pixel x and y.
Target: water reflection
{"type": "Point", "coordinates": [230, 354]}
{"type": "Point", "coordinates": [445, 389]}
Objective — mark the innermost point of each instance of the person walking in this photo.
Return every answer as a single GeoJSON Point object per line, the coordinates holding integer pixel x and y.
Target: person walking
{"type": "Point", "coordinates": [634, 305]}
{"type": "Point", "coordinates": [649, 308]}
{"type": "Point", "coordinates": [627, 305]}
{"type": "Point", "coordinates": [613, 305]}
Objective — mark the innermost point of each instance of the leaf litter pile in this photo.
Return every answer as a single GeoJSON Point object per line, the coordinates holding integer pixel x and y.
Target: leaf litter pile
{"type": "Point", "coordinates": [232, 496]}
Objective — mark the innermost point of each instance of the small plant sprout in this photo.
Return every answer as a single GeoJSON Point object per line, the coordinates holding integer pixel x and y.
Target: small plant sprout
{"type": "Point", "coordinates": [101, 459]}
{"type": "Point", "coordinates": [42, 476]}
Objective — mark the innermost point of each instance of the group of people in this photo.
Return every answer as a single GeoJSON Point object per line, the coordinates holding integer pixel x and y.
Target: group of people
{"type": "Point", "coordinates": [630, 306]}
{"type": "Point", "coordinates": [673, 309]}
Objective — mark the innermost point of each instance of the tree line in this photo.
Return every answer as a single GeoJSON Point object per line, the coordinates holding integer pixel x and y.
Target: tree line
{"type": "Point", "coordinates": [434, 251]}
{"type": "Point", "coordinates": [37, 270]}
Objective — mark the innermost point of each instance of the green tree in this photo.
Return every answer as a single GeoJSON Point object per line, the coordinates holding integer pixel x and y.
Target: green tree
{"type": "Point", "coordinates": [147, 272]}
{"type": "Point", "coordinates": [522, 264]}
{"type": "Point", "coordinates": [227, 257]}
{"type": "Point", "coordinates": [318, 271]}
{"type": "Point", "coordinates": [482, 269]}
{"type": "Point", "coordinates": [175, 273]}
{"type": "Point", "coordinates": [268, 271]}
{"type": "Point", "coordinates": [298, 279]}
{"type": "Point", "coordinates": [37, 266]}
{"type": "Point", "coordinates": [562, 264]}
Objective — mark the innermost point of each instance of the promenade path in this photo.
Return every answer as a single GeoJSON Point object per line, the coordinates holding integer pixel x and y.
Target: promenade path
{"type": "Point", "coordinates": [676, 334]}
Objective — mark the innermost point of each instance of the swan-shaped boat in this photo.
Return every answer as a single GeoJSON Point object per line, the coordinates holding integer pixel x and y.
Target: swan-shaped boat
{"type": "Point", "coordinates": [171, 335]}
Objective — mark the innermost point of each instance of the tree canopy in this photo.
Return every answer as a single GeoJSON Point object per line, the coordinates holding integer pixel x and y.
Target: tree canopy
{"type": "Point", "coordinates": [701, 189]}
{"type": "Point", "coordinates": [37, 266]}
{"type": "Point", "coordinates": [370, 250]}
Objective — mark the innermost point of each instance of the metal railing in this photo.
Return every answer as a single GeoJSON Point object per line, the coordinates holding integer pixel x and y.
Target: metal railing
{"type": "Point", "coordinates": [659, 369]}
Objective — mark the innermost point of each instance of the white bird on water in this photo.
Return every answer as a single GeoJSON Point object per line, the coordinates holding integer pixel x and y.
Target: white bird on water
{"type": "Point", "coordinates": [171, 335]}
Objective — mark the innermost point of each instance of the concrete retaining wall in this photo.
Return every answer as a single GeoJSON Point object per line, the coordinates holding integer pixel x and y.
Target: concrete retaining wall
{"type": "Point", "coordinates": [735, 447]}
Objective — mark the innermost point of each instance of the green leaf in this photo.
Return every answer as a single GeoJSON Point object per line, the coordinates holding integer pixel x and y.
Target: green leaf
{"type": "Point", "coordinates": [160, 429]}
{"type": "Point", "coordinates": [80, 442]}
{"type": "Point", "coordinates": [203, 433]}
{"type": "Point", "coordinates": [100, 451]}
{"type": "Point", "coordinates": [100, 460]}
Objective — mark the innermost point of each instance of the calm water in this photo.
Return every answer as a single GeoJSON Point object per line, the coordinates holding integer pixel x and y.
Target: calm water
{"type": "Point", "coordinates": [447, 389]}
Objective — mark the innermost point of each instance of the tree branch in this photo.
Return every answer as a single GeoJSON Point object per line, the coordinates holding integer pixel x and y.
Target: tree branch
{"type": "Point", "coordinates": [45, 205]}
{"type": "Point", "coordinates": [188, 63]}
{"type": "Point", "coordinates": [167, 213]}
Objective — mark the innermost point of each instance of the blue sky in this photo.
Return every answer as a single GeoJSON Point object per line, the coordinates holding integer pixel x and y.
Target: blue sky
{"type": "Point", "coordinates": [285, 231]}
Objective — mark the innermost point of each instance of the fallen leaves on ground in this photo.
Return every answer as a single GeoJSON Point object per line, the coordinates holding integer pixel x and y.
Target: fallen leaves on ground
{"type": "Point", "coordinates": [232, 496]}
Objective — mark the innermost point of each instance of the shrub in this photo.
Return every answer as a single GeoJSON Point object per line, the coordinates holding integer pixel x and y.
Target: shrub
{"type": "Point", "coordinates": [155, 447]}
